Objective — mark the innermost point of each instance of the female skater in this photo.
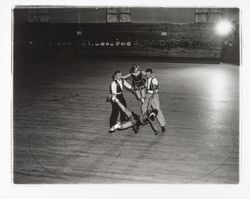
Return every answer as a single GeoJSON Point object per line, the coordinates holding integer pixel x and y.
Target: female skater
{"type": "Point", "coordinates": [138, 81]}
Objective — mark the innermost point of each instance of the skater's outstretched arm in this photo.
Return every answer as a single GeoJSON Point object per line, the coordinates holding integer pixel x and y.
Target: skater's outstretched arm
{"type": "Point", "coordinates": [126, 76]}
{"type": "Point", "coordinates": [127, 85]}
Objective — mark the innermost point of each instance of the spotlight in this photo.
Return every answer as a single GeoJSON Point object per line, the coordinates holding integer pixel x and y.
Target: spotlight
{"type": "Point", "coordinates": [223, 27]}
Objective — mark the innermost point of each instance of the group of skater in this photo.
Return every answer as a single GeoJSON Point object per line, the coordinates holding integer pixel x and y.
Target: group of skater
{"type": "Point", "coordinates": [145, 86]}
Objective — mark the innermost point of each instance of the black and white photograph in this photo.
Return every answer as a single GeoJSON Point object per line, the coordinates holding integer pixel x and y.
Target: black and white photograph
{"type": "Point", "coordinates": [126, 95]}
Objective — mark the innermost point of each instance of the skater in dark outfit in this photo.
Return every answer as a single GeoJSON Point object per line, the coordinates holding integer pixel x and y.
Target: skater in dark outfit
{"type": "Point", "coordinates": [138, 81]}
{"type": "Point", "coordinates": [117, 87]}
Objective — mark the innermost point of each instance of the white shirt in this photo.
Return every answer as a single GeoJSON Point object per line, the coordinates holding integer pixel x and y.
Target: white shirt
{"type": "Point", "coordinates": [154, 82]}
{"type": "Point", "coordinates": [113, 86]}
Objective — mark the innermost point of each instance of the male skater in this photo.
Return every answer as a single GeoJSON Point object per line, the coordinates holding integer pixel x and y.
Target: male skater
{"type": "Point", "coordinates": [117, 87]}
{"type": "Point", "coordinates": [152, 98]}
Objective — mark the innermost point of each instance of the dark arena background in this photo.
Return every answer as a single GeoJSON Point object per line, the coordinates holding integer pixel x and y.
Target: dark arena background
{"type": "Point", "coordinates": [63, 59]}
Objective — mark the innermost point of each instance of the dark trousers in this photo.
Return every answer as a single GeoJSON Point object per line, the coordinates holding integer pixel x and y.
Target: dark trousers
{"type": "Point", "coordinates": [116, 110]}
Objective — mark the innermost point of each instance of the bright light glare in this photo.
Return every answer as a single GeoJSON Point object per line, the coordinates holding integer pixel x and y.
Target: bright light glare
{"type": "Point", "coordinates": [223, 27]}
